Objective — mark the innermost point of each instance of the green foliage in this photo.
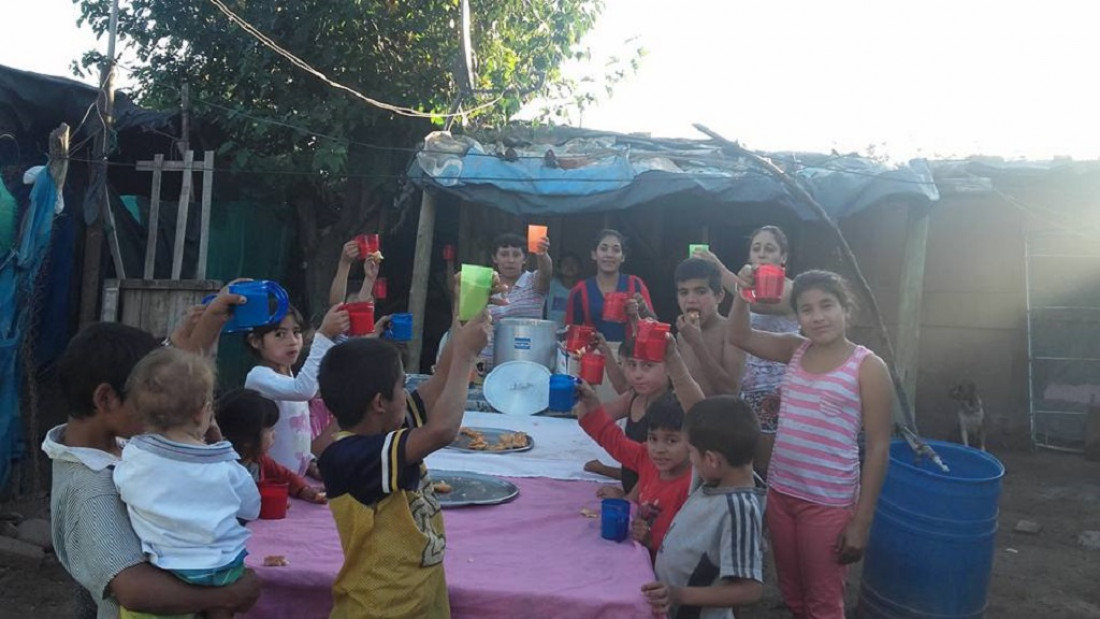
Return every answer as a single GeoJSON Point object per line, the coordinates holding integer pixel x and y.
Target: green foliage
{"type": "Point", "coordinates": [405, 52]}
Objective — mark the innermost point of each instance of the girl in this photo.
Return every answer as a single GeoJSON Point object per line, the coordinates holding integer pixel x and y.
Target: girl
{"type": "Point", "coordinates": [648, 381]}
{"type": "Point", "coordinates": [568, 270]}
{"type": "Point", "coordinates": [278, 346]}
{"type": "Point", "coordinates": [184, 497]}
{"type": "Point", "coordinates": [586, 299]}
{"type": "Point", "coordinates": [247, 420]}
{"type": "Point", "coordinates": [761, 378]}
{"type": "Point", "coordinates": [820, 506]}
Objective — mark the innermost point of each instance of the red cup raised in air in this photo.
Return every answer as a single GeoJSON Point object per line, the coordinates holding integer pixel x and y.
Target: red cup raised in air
{"type": "Point", "coordinates": [361, 316]}
{"type": "Point", "coordinates": [274, 496]}
{"type": "Point", "coordinates": [614, 306]}
{"type": "Point", "coordinates": [379, 290]}
{"type": "Point", "coordinates": [650, 342]}
{"type": "Point", "coordinates": [768, 285]}
{"type": "Point", "coordinates": [368, 244]}
{"type": "Point", "coordinates": [579, 337]}
{"type": "Point", "coordinates": [592, 365]}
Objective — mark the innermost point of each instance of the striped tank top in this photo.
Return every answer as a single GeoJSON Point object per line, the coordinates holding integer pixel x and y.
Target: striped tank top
{"type": "Point", "coordinates": [816, 456]}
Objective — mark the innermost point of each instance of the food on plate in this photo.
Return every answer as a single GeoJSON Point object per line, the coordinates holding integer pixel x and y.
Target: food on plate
{"type": "Point", "coordinates": [588, 513]}
{"type": "Point", "coordinates": [442, 487]}
{"type": "Point", "coordinates": [275, 561]}
{"type": "Point", "coordinates": [507, 440]}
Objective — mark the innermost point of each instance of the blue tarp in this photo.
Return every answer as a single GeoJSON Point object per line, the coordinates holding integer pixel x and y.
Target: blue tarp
{"type": "Point", "coordinates": [19, 268]}
{"type": "Point", "coordinates": [604, 172]}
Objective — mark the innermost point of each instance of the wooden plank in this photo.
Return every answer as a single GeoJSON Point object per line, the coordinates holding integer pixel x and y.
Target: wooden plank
{"type": "Point", "coordinates": [154, 219]}
{"type": "Point", "coordinates": [422, 262]}
{"type": "Point", "coordinates": [204, 226]}
{"type": "Point", "coordinates": [181, 215]}
{"type": "Point", "coordinates": [911, 296]}
{"type": "Point", "coordinates": [109, 311]}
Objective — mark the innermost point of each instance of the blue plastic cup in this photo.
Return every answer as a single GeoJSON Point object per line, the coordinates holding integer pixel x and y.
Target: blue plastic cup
{"type": "Point", "coordinates": [401, 327]}
{"type": "Point", "coordinates": [615, 519]}
{"type": "Point", "coordinates": [258, 309]}
{"type": "Point", "coordinates": [563, 393]}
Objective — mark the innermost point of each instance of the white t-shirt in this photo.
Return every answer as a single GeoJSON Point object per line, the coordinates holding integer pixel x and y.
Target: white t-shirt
{"type": "Point", "coordinates": [292, 394]}
{"type": "Point", "coordinates": [184, 501]}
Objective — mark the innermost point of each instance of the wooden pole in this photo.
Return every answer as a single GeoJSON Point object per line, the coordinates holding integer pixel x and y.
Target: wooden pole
{"type": "Point", "coordinates": [181, 215]}
{"type": "Point", "coordinates": [422, 262]}
{"type": "Point", "coordinates": [93, 235]}
{"type": "Point", "coordinates": [154, 219]}
{"type": "Point", "coordinates": [910, 298]}
{"type": "Point", "coordinates": [846, 253]}
{"type": "Point", "coordinates": [204, 216]}
{"type": "Point", "coordinates": [185, 120]}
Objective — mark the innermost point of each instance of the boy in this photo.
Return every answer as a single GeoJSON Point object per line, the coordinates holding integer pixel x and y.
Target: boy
{"type": "Point", "coordinates": [92, 535]}
{"type": "Point", "coordinates": [714, 363]}
{"type": "Point", "coordinates": [381, 496]}
{"type": "Point", "coordinates": [711, 559]}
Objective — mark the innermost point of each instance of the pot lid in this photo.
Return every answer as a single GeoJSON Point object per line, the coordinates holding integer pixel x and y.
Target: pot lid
{"type": "Point", "coordinates": [518, 388]}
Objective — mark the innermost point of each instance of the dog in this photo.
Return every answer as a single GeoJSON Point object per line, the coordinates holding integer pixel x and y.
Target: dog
{"type": "Point", "coordinates": [970, 412]}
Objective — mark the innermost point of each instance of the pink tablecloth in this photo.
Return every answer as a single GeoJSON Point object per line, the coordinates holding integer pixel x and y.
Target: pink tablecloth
{"type": "Point", "coordinates": [534, 557]}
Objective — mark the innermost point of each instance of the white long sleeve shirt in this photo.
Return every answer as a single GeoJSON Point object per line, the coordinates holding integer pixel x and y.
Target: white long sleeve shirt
{"type": "Point", "coordinates": [184, 501]}
{"type": "Point", "coordinates": [292, 395]}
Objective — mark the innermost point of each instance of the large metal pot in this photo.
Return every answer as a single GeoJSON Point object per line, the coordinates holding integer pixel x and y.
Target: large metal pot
{"type": "Point", "coordinates": [526, 339]}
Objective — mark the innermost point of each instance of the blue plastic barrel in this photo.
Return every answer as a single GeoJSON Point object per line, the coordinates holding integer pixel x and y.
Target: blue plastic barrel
{"type": "Point", "coordinates": [930, 553]}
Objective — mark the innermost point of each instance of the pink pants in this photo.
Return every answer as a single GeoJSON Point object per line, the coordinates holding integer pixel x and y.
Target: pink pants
{"type": "Point", "coordinates": [803, 538]}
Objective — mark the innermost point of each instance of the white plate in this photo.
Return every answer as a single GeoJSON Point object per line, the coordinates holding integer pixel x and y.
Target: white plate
{"type": "Point", "coordinates": [518, 388]}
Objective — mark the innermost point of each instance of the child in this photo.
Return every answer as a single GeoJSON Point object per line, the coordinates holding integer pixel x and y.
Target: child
{"type": "Point", "coordinates": [247, 420]}
{"type": "Point", "coordinates": [664, 471]}
{"type": "Point", "coordinates": [184, 497]}
{"type": "Point", "coordinates": [819, 505]}
{"type": "Point", "coordinates": [714, 363]}
{"type": "Point", "coordinates": [761, 379]}
{"type": "Point", "coordinates": [711, 559]}
{"type": "Point", "coordinates": [386, 512]}
{"type": "Point", "coordinates": [278, 346]}
{"type": "Point", "coordinates": [568, 270]}
{"type": "Point", "coordinates": [527, 290]}
{"type": "Point", "coordinates": [338, 291]}
{"type": "Point", "coordinates": [92, 536]}
{"type": "Point", "coordinates": [648, 381]}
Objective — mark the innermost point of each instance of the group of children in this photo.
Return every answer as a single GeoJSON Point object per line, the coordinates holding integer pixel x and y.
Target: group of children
{"type": "Point", "coordinates": [806, 395]}
{"type": "Point", "coordinates": [155, 524]}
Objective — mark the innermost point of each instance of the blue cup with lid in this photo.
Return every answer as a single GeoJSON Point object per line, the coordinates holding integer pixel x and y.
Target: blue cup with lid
{"type": "Point", "coordinates": [615, 519]}
{"type": "Point", "coordinates": [563, 392]}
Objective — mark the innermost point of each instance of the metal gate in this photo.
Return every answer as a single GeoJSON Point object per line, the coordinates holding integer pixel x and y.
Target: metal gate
{"type": "Point", "coordinates": [1062, 271]}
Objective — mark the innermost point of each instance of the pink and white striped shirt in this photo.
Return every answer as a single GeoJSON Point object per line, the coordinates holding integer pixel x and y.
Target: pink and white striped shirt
{"type": "Point", "coordinates": [816, 456]}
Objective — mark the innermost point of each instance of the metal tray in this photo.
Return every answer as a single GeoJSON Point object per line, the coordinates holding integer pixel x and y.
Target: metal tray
{"type": "Point", "coordinates": [472, 489]}
{"type": "Point", "coordinates": [492, 436]}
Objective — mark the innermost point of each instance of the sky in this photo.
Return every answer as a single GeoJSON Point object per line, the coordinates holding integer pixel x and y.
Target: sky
{"type": "Point", "coordinates": [937, 79]}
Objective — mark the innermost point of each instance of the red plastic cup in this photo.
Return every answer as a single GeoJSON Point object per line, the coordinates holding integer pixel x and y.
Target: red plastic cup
{"type": "Point", "coordinates": [379, 290]}
{"type": "Point", "coordinates": [650, 342]}
{"type": "Point", "coordinates": [614, 306]}
{"type": "Point", "coordinates": [368, 244]}
{"type": "Point", "coordinates": [768, 285]}
{"type": "Point", "coordinates": [592, 365]}
{"type": "Point", "coordinates": [449, 253]}
{"type": "Point", "coordinates": [361, 315]}
{"type": "Point", "coordinates": [274, 496]}
{"type": "Point", "coordinates": [579, 337]}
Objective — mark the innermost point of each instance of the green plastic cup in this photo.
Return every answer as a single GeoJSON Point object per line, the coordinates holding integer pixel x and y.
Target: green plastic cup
{"type": "Point", "coordinates": [694, 246]}
{"type": "Point", "coordinates": [474, 289]}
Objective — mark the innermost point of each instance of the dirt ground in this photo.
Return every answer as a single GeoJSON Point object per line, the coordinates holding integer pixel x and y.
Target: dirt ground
{"type": "Point", "coordinates": [1046, 575]}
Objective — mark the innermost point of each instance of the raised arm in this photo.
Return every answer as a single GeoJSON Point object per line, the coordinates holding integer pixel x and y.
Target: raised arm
{"type": "Point", "coordinates": [370, 275]}
{"type": "Point", "coordinates": [546, 266]}
{"type": "Point", "coordinates": [612, 370]}
{"type": "Point", "coordinates": [771, 346]}
{"type": "Point", "coordinates": [687, 391]}
{"type": "Point", "coordinates": [876, 394]}
{"type": "Point", "coordinates": [714, 378]}
{"type": "Point", "coordinates": [445, 415]}
{"type": "Point", "coordinates": [302, 387]}
{"type": "Point", "coordinates": [338, 291]}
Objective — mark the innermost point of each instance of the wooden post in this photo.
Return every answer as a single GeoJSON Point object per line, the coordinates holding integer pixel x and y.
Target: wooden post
{"type": "Point", "coordinates": [204, 226]}
{"type": "Point", "coordinates": [422, 262]}
{"type": "Point", "coordinates": [185, 120]}
{"type": "Point", "coordinates": [181, 214]}
{"type": "Point", "coordinates": [154, 218]}
{"type": "Point", "coordinates": [910, 298]}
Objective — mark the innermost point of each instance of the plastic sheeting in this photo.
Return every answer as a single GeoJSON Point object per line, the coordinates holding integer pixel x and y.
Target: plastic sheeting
{"type": "Point", "coordinates": [603, 172]}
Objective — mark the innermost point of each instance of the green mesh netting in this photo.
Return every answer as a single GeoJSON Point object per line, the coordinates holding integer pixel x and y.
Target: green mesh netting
{"type": "Point", "coordinates": [7, 219]}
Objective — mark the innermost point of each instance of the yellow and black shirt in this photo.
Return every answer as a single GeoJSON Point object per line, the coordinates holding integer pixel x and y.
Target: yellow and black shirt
{"type": "Point", "coordinates": [390, 526]}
